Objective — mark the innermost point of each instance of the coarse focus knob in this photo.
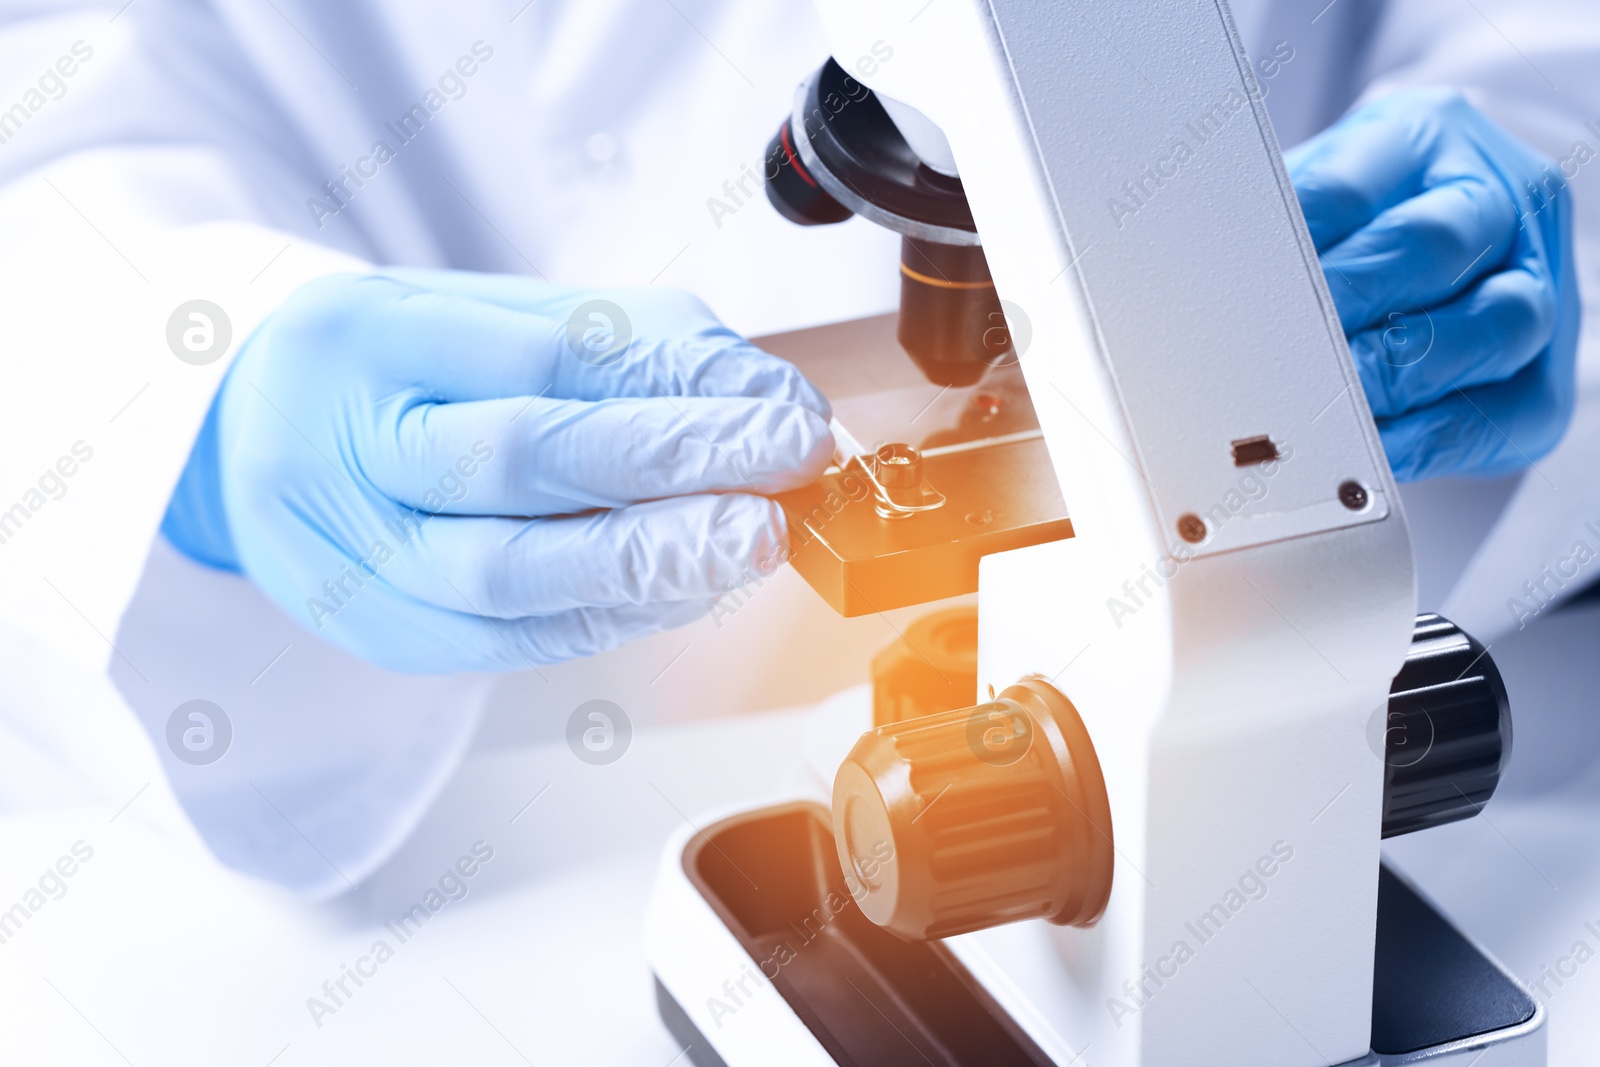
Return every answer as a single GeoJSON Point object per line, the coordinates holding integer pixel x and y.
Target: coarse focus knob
{"type": "Point", "coordinates": [967, 819]}
{"type": "Point", "coordinates": [1446, 733]}
{"type": "Point", "coordinates": [931, 667]}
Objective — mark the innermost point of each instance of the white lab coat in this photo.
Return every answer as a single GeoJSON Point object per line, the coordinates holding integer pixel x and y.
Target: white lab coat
{"type": "Point", "coordinates": [168, 151]}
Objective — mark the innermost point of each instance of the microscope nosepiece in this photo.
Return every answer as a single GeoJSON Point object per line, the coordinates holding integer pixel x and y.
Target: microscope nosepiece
{"type": "Point", "coordinates": [791, 188]}
{"type": "Point", "coordinates": [841, 153]}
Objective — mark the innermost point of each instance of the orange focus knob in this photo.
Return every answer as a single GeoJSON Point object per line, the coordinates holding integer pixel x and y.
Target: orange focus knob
{"type": "Point", "coordinates": [934, 666]}
{"type": "Point", "coordinates": [967, 819]}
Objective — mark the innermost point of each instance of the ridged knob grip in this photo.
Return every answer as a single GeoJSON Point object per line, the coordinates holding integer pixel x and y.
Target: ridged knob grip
{"type": "Point", "coordinates": [1446, 731]}
{"type": "Point", "coordinates": [967, 819]}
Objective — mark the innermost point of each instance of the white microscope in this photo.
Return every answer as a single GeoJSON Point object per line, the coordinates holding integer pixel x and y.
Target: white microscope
{"type": "Point", "coordinates": [1201, 700]}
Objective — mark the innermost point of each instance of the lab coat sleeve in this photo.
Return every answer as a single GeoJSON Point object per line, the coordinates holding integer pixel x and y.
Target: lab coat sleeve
{"type": "Point", "coordinates": [1533, 66]}
{"type": "Point", "coordinates": [117, 206]}
{"type": "Point", "coordinates": [148, 161]}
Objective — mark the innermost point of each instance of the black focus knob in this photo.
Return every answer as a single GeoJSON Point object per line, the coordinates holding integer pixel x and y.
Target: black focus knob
{"type": "Point", "coordinates": [1446, 730]}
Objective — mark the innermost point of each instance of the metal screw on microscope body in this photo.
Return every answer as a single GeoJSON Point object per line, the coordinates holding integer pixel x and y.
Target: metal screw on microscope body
{"type": "Point", "coordinates": [1353, 495]}
{"type": "Point", "coordinates": [1192, 528]}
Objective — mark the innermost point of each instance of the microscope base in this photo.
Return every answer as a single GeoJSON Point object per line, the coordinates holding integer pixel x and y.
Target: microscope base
{"type": "Point", "coordinates": [1438, 999]}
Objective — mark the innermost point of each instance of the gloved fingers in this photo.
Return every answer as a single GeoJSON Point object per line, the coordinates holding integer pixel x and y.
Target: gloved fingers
{"type": "Point", "coordinates": [1422, 251]}
{"type": "Point", "coordinates": [630, 342]}
{"type": "Point", "coordinates": [1385, 153]}
{"type": "Point", "coordinates": [583, 632]}
{"type": "Point", "coordinates": [515, 292]}
{"type": "Point", "coordinates": [1347, 175]}
{"type": "Point", "coordinates": [538, 456]}
{"type": "Point", "coordinates": [397, 337]}
{"type": "Point", "coordinates": [383, 625]}
{"type": "Point", "coordinates": [1487, 430]}
{"type": "Point", "coordinates": [1487, 335]}
{"type": "Point", "coordinates": [454, 347]}
{"type": "Point", "coordinates": [650, 310]}
{"type": "Point", "coordinates": [689, 548]}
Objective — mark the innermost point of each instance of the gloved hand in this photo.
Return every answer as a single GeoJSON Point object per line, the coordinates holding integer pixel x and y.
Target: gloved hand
{"type": "Point", "coordinates": [1447, 246]}
{"type": "Point", "coordinates": [448, 471]}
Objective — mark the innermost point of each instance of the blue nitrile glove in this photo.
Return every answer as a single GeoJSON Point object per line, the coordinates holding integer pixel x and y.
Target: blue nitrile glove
{"type": "Point", "coordinates": [1447, 245]}
{"type": "Point", "coordinates": [447, 471]}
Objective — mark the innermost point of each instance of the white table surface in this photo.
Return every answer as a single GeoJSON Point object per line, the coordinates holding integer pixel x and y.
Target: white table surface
{"type": "Point", "coordinates": [156, 955]}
